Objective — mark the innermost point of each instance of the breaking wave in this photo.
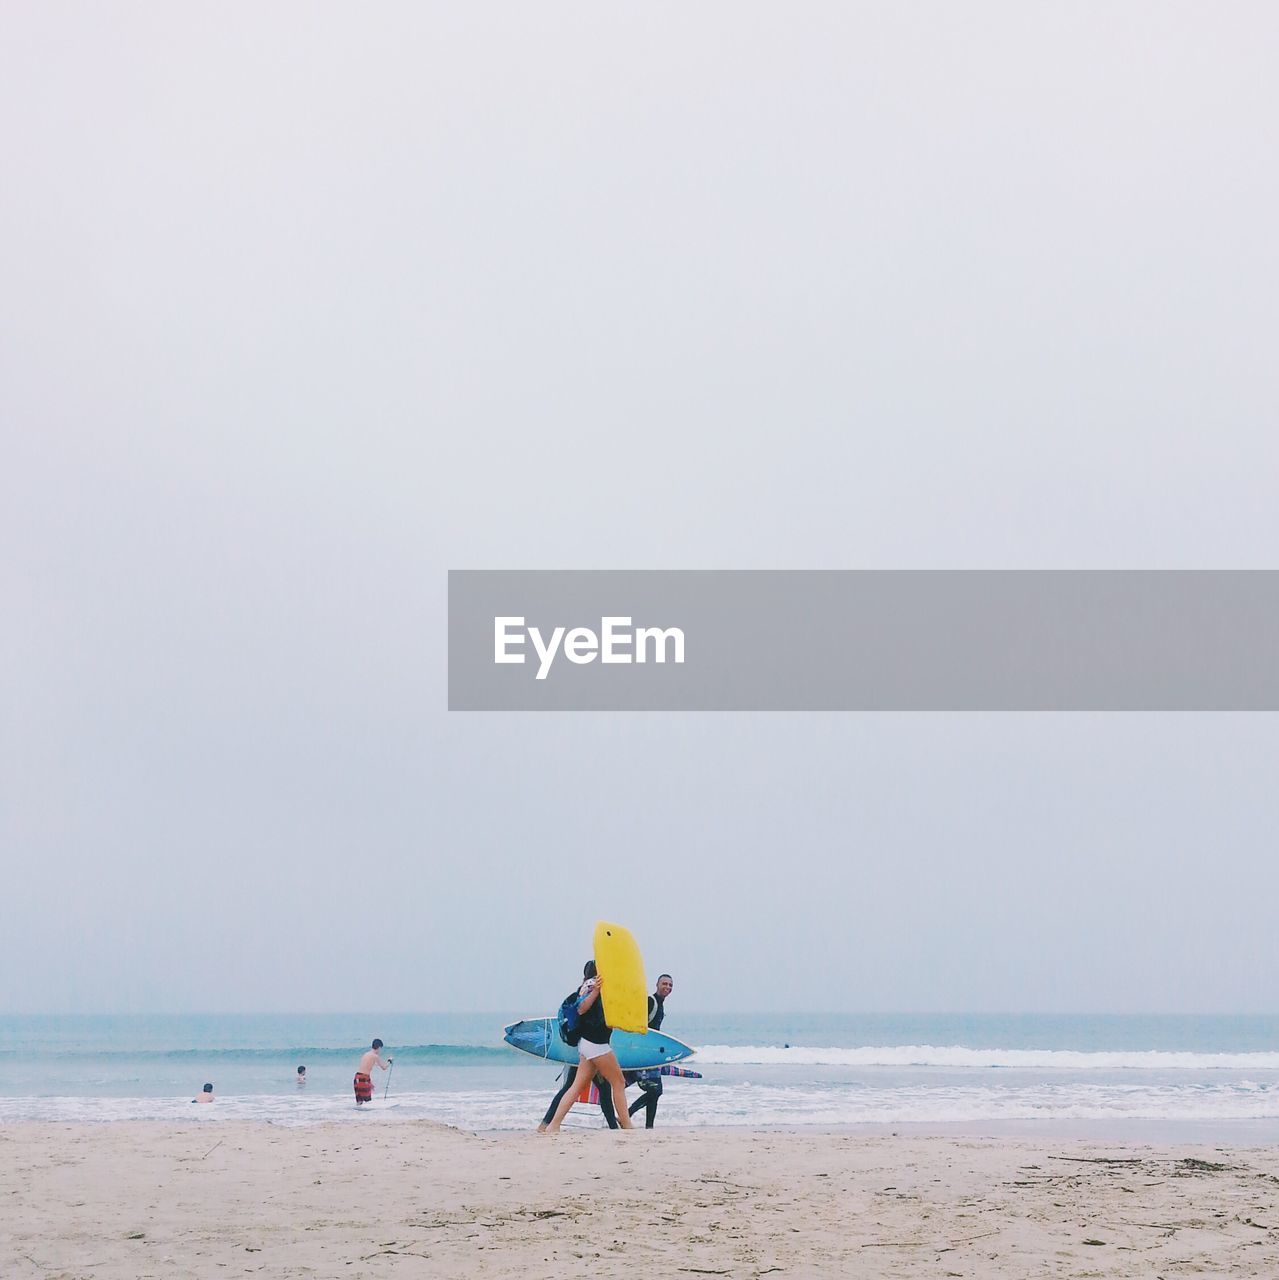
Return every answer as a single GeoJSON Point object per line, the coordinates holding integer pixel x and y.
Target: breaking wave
{"type": "Point", "coordinates": [928, 1055]}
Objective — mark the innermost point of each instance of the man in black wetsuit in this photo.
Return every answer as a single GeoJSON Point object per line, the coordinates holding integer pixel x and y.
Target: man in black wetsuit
{"type": "Point", "coordinates": [651, 1081]}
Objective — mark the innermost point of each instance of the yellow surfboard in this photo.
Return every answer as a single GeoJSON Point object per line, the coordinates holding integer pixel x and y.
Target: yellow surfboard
{"type": "Point", "coordinates": [625, 992]}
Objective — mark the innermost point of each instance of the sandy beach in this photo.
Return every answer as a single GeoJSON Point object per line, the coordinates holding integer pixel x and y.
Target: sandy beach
{"type": "Point", "coordinates": [416, 1198]}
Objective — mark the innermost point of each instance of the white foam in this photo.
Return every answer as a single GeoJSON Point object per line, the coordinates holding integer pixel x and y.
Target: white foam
{"type": "Point", "coordinates": [707, 1102]}
{"type": "Point", "coordinates": [830, 1107]}
{"type": "Point", "coordinates": [928, 1055]}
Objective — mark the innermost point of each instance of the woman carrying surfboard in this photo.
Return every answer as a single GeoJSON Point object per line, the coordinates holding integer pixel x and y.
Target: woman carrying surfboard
{"type": "Point", "coordinates": [594, 1052]}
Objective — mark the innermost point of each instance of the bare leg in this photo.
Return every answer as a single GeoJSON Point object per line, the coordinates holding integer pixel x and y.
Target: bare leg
{"type": "Point", "coordinates": [585, 1071]}
{"type": "Point", "coordinates": [567, 1077]}
{"type": "Point", "coordinates": [608, 1067]}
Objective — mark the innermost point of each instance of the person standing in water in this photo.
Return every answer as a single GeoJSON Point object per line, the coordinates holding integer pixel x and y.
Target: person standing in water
{"type": "Point", "coordinates": [301, 1077]}
{"type": "Point", "coordinates": [364, 1073]}
{"type": "Point", "coordinates": [651, 1081]}
{"type": "Point", "coordinates": [594, 1053]}
{"type": "Point", "coordinates": [206, 1094]}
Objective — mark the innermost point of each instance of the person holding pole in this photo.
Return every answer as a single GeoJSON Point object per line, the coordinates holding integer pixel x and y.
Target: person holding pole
{"type": "Point", "coordinates": [364, 1076]}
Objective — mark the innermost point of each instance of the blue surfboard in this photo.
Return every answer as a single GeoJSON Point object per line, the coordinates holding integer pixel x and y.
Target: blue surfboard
{"type": "Point", "coordinates": [541, 1038]}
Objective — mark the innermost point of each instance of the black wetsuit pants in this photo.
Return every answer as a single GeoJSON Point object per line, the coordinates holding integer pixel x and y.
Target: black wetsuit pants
{"type": "Point", "coordinates": [652, 1091]}
{"type": "Point", "coordinates": [606, 1098]}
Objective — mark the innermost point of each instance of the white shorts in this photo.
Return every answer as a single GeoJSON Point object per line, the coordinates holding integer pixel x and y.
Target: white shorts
{"type": "Point", "coordinates": [589, 1050]}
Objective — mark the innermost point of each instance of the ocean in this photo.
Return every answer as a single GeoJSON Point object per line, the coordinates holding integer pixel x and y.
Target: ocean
{"type": "Point", "coordinates": [1198, 1078]}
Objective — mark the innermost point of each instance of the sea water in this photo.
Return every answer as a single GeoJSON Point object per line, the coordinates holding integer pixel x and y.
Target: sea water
{"type": "Point", "coordinates": [1201, 1078]}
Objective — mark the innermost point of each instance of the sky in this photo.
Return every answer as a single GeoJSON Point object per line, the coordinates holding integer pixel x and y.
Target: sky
{"type": "Point", "coordinates": [303, 307]}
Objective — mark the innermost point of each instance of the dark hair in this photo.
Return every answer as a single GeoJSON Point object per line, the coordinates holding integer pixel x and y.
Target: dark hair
{"type": "Point", "coordinates": [667, 976]}
{"type": "Point", "coordinates": [377, 1044]}
{"type": "Point", "coordinates": [301, 1071]}
{"type": "Point", "coordinates": [588, 969]}
{"type": "Point", "coordinates": [208, 1088]}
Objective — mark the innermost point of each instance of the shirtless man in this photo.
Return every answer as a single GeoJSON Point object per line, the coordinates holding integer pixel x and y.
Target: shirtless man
{"type": "Point", "coordinates": [206, 1094]}
{"type": "Point", "coordinates": [363, 1078]}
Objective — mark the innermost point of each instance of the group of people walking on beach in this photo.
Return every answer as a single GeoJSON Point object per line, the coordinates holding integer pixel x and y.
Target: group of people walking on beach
{"type": "Point", "coordinates": [598, 1063]}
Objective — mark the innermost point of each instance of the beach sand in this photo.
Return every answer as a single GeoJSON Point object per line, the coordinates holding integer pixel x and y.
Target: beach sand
{"type": "Point", "coordinates": [414, 1198]}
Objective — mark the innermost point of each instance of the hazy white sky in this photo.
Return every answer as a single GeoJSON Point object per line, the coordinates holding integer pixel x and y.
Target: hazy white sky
{"type": "Point", "coordinates": [301, 306]}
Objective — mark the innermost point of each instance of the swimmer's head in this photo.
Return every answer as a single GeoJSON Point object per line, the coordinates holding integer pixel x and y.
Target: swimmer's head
{"type": "Point", "coordinates": [208, 1088]}
{"type": "Point", "coordinates": [377, 1044]}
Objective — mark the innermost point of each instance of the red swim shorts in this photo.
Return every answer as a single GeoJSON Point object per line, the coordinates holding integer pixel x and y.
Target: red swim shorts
{"type": "Point", "coordinates": [363, 1087]}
